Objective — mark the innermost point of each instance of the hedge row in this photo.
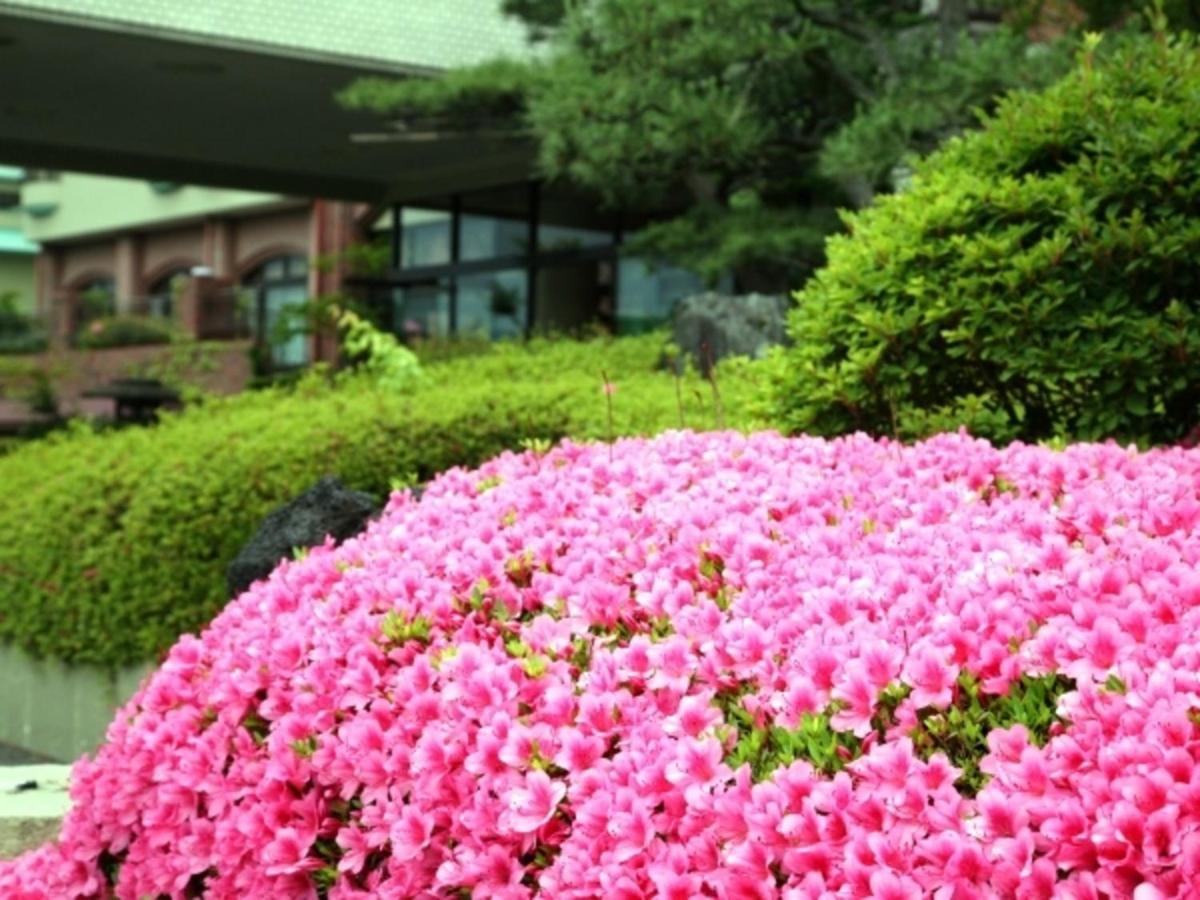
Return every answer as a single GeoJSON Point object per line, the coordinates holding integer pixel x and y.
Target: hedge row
{"type": "Point", "coordinates": [116, 543]}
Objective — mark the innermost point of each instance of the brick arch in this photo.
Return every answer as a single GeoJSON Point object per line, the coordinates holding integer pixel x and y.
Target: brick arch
{"type": "Point", "coordinates": [172, 265]}
{"type": "Point", "coordinates": [246, 266]}
{"type": "Point", "coordinates": [87, 275]}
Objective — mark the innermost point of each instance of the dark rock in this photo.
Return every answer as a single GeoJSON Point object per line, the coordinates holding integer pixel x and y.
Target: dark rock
{"type": "Point", "coordinates": [326, 508]}
{"type": "Point", "coordinates": [710, 326]}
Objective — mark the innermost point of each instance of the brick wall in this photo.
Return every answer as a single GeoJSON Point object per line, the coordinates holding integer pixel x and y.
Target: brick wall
{"type": "Point", "coordinates": [218, 367]}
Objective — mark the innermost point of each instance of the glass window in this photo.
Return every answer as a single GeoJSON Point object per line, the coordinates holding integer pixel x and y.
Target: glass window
{"type": "Point", "coordinates": [281, 307]}
{"type": "Point", "coordinates": [572, 296]}
{"type": "Point", "coordinates": [281, 267]}
{"type": "Point", "coordinates": [97, 298]}
{"type": "Point", "coordinates": [495, 222]}
{"type": "Point", "coordinates": [565, 237]}
{"type": "Point", "coordinates": [648, 293]}
{"type": "Point", "coordinates": [280, 290]}
{"type": "Point", "coordinates": [160, 299]}
{"type": "Point", "coordinates": [421, 310]}
{"type": "Point", "coordinates": [494, 305]}
{"type": "Point", "coordinates": [425, 237]}
{"type": "Point", "coordinates": [487, 237]}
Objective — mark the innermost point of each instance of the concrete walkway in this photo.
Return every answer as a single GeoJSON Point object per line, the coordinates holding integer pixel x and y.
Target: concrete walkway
{"type": "Point", "coordinates": [33, 800]}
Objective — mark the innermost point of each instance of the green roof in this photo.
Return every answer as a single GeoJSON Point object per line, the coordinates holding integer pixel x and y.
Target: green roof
{"type": "Point", "coordinates": [402, 33]}
{"type": "Point", "coordinates": [12, 173]}
{"type": "Point", "coordinates": [13, 241]}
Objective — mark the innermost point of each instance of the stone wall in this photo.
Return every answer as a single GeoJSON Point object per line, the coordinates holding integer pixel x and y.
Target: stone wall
{"type": "Point", "coordinates": [57, 710]}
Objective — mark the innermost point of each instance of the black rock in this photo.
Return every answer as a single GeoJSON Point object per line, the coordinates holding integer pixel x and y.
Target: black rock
{"type": "Point", "coordinates": [710, 326]}
{"type": "Point", "coordinates": [326, 508]}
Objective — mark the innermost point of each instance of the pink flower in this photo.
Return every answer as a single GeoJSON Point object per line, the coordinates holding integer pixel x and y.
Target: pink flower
{"type": "Point", "coordinates": [529, 682]}
{"type": "Point", "coordinates": [287, 852]}
{"type": "Point", "coordinates": [931, 677]}
{"type": "Point", "coordinates": [630, 832]}
{"type": "Point", "coordinates": [579, 751]}
{"type": "Point", "coordinates": [410, 833]}
{"type": "Point", "coordinates": [531, 806]}
{"type": "Point", "coordinates": [889, 886]}
{"type": "Point", "coordinates": [857, 694]}
{"type": "Point", "coordinates": [696, 764]}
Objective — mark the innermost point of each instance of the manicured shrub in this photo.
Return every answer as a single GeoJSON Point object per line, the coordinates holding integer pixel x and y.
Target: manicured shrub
{"type": "Point", "coordinates": [19, 332]}
{"type": "Point", "coordinates": [116, 543]}
{"type": "Point", "coordinates": [31, 340]}
{"type": "Point", "coordinates": [698, 666]}
{"type": "Point", "coordinates": [1041, 277]}
{"type": "Point", "coordinates": [124, 331]}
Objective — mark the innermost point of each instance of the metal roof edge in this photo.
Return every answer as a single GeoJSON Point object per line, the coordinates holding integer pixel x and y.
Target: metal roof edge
{"type": "Point", "coordinates": [219, 42]}
{"type": "Point", "coordinates": [13, 240]}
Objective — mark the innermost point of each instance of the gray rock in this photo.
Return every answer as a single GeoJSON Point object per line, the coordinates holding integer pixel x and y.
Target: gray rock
{"type": "Point", "coordinates": [710, 326]}
{"type": "Point", "coordinates": [326, 508]}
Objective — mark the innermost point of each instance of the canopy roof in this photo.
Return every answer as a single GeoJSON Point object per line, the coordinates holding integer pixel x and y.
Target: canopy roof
{"type": "Point", "coordinates": [240, 94]}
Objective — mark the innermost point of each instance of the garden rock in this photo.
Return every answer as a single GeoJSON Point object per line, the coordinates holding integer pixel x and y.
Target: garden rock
{"type": "Point", "coordinates": [711, 326]}
{"type": "Point", "coordinates": [326, 508]}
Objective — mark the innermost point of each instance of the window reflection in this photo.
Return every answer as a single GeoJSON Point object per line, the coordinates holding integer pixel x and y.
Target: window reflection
{"type": "Point", "coordinates": [488, 237]}
{"type": "Point", "coordinates": [557, 238]}
{"type": "Point", "coordinates": [476, 252]}
{"type": "Point", "coordinates": [426, 237]}
{"type": "Point", "coordinates": [648, 293]}
{"type": "Point", "coordinates": [279, 288]}
{"type": "Point", "coordinates": [494, 305]}
{"type": "Point", "coordinates": [422, 310]}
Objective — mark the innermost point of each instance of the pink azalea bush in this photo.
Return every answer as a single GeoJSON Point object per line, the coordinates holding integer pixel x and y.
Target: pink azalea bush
{"type": "Point", "coordinates": [701, 666]}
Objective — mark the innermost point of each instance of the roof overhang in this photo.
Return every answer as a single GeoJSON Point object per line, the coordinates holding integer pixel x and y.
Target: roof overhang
{"type": "Point", "coordinates": [91, 97]}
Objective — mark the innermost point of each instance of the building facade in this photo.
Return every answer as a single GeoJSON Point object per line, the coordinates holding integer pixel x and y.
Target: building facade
{"type": "Point", "coordinates": [513, 260]}
{"type": "Point", "coordinates": [242, 96]}
{"type": "Point", "coordinates": [215, 263]}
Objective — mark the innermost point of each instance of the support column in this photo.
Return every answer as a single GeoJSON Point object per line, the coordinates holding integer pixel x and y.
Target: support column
{"type": "Point", "coordinates": [332, 230]}
{"type": "Point", "coordinates": [127, 275]}
{"type": "Point", "coordinates": [47, 274]}
{"type": "Point", "coordinates": [219, 254]}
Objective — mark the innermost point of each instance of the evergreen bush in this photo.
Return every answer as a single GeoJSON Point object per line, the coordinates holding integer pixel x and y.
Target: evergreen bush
{"type": "Point", "coordinates": [124, 331]}
{"type": "Point", "coordinates": [1039, 278]}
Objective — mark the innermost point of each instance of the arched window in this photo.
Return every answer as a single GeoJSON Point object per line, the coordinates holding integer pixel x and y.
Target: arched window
{"type": "Point", "coordinates": [165, 289]}
{"type": "Point", "coordinates": [279, 289]}
{"type": "Point", "coordinates": [97, 299]}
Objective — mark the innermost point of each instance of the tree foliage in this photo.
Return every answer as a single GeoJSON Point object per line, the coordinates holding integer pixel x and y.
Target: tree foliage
{"type": "Point", "coordinates": [738, 126]}
{"type": "Point", "coordinates": [939, 97]}
{"type": "Point", "coordinates": [1040, 278]}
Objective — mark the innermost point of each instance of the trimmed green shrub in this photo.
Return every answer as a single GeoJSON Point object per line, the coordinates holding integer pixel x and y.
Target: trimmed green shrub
{"type": "Point", "coordinates": [124, 331]}
{"type": "Point", "coordinates": [117, 542]}
{"type": "Point", "coordinates": [1041, 277]}
{"type": "Point", "coordinates": [29, 383]}
{"type": "Point", "coordinates": [19, 332]}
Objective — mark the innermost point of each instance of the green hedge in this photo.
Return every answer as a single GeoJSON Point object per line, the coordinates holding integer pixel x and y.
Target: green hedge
{"type": "Point", "coordinates": [124, 331]}
{"type": "Point", "coordinates": [117, 542]}
{"type": "Point", "coordinates": [1040, 278]}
